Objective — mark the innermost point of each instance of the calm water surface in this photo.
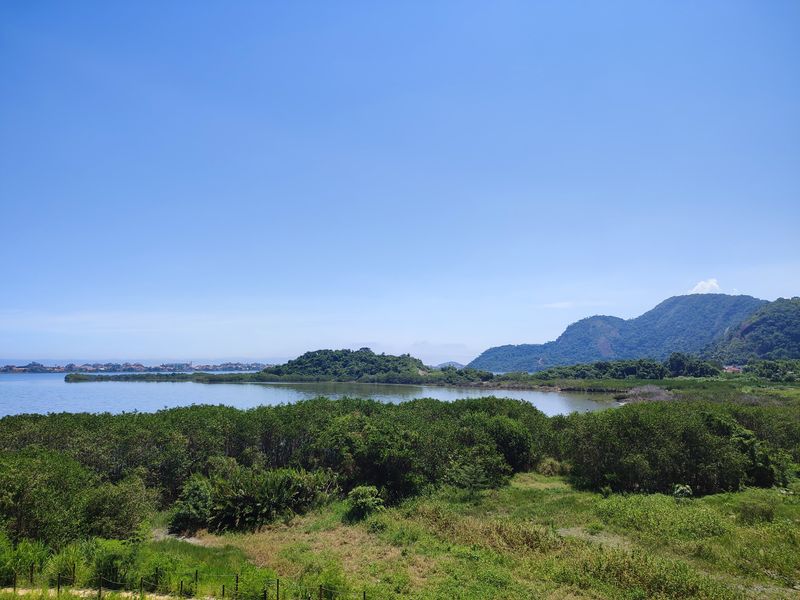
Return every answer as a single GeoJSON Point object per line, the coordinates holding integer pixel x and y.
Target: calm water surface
{"type": "Point", "coordinates": [47, 392]}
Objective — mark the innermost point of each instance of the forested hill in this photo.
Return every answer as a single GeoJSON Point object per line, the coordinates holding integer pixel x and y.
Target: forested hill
{"type": "Point", "coordinates": [348, 365]}
{"type": "Point", "coordinates": [772, 332]}
{"type": "Point", "coordinates": [687, 324]}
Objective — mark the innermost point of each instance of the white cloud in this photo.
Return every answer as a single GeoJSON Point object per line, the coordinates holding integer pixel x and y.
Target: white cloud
{"type": "Point", "coordinates": [707, 286]}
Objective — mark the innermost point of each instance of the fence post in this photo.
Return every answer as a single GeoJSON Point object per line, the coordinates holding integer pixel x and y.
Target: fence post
{"type": "Point", "coordinates": [320, 592]}
{"type": "Point", "coordinates": [264, 595]}
{"type": "Point", "coordinates": [195, 578]}
{"type": "Point", "coordinates": [181, 592]}
{"type": "Point", "coordinates": [58, 585]}
{"type": "Point", "coordinates": [100, 588]}
{"type": "Point", "coordinates": [15, 582]}
{"type": "Point", "coordinates": [277, 588]}
{"type": "Point", "coordinates": [30, 578]}
{"type": "Point", "coordinates": [141, 587]}
{"type": "Point", "coordinates": [365, 594]}
{"type": "Point", "coordinates": [223, 590]}
{"type": "Point", "coordinates": [236, 587]}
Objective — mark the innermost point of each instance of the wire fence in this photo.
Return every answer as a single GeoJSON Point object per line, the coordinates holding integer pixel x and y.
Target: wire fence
{"type": "Point", "coordinates": [207, 585]}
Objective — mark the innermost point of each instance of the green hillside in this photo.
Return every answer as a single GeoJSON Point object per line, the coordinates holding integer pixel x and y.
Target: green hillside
{"type": "Point", "coordinates": [680, 324]}
{"type": "Point", "coordinates": [348, 365]}
{"type": "Point", "coordinates": [772, 332]}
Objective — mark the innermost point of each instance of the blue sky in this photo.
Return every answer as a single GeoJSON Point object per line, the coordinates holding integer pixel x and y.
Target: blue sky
{"type": "Point", "coordinates": [205, 179]}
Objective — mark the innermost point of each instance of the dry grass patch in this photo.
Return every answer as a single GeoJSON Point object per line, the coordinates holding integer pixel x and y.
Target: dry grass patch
{"type": "Point", "coordinates": [604, 538]}
{"type": "Point", "coordinates": [362, 556]}
{"type": "Point", "coordinates": [534, 481]}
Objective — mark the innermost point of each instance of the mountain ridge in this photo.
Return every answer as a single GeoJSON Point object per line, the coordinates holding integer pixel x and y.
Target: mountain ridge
{"type": "Point", "coordinates": [689, 323]}
{"type": "Point", "coordinates": [772, 332]}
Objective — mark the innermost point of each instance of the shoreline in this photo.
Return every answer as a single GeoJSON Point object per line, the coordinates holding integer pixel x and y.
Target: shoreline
{"type": "Point", "coordinates": [211, 379]}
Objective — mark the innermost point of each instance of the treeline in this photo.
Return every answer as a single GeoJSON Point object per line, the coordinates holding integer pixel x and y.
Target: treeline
{"type": "Point", "coordinates": [70, 476]}
{"type": "Point", "coordinates": [677, 365]}
{"type": "Point", "coordinates": [775, 370]}
{"type": "Point", "coordinates": [364, 366]}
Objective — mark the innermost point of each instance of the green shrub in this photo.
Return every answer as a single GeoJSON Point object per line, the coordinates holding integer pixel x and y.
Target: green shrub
{"type": "Point", "coordinates": [478, 468]}
{"type": "Point", "coordinates": [246, 498]}
{"type": "Point", "coordinates": [117, 510]}
{"type": "Point", "coordinates": [68, 564]}
{"type": "Point", "coordinates": [550, 466]}
{"type": "Point", "coordinates": [110, 562]}
{"type": "Point", "coordinates": [756, 511]}
{"type": "Point", "coordinates": [652, 447]}
{"type": "Point", "coordinates": [362, 501]}
{"type": "Point", "coordinates": [44, 496]}
{"type": "Point", "coordinates": [193, 508]}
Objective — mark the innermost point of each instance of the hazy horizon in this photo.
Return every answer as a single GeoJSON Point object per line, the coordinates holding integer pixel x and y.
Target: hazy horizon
{"type": "Point", "coordinates": [263, 179]}
{"type": "Point", "coordinates": [702, 287]}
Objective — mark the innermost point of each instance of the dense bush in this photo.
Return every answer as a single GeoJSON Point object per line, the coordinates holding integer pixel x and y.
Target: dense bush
{"type": "Point", "coordinates": [362, 501]}
{"type": "Point", "coordinates": [50, 497]}
{"type": "Point", "coordinates": [66, 477]}
{"type": "Point", "coordinates": [192, 511]}
{"type": "Point", "coordinates": [677, 365]}
{"type": "Point", "coordinates": [652, 447]}
{"type": "Point", "coordinates": [245, 498]}
{"type": "Point", "coordinates": [775, 370]}
{"type": "Point", "coordinates": [43, 495]}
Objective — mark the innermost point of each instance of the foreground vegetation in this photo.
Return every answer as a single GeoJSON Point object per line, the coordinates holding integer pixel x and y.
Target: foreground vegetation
{"type": "Point", "coordinates": [537, 537]}
{"type": "Point", "coordinates": [696, 497]}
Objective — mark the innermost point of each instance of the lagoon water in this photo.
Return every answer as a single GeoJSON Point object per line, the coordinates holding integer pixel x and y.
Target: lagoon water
{"type": "Point", "coordinates": [48, 392]}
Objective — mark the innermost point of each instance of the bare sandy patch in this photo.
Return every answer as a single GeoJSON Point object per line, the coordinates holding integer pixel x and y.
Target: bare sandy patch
{"type": "Point", "coordinates": [357, 550]}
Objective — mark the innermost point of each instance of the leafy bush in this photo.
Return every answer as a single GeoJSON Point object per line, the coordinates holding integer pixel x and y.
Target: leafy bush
{"type": "Point", "coordinates": [652, 447]}
{"type": "Point", "coordinates": [246, 498]}
{"type": "Point", "coordinates": [550, 466]}
{"type": "Point", "coordinates": [110, 562]}
{"type": "Point", "coordinates": [193, 508]}
{"type": "Point", "coordinates": [476, 469]}
{"type": "Point", "coordinates": [362, 501]}
{"type": "Point", "coordinates": [117, 510]}
{"type": "Point", "coordinates": [68, 564]}
{"type": "Point", "coordinates": [44, 496]}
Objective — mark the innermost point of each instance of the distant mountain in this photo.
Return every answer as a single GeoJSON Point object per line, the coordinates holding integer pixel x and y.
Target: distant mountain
{"type": "Point", "coordinates": [679, 324]}
{"type": "Point", "coordinates": [449, 363]}
{"type": "Point", "coordinates": [772, 332]}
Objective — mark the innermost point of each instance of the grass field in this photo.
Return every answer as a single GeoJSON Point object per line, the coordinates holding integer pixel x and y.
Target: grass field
{"type": "Point", "coordinates": [539, 538]}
